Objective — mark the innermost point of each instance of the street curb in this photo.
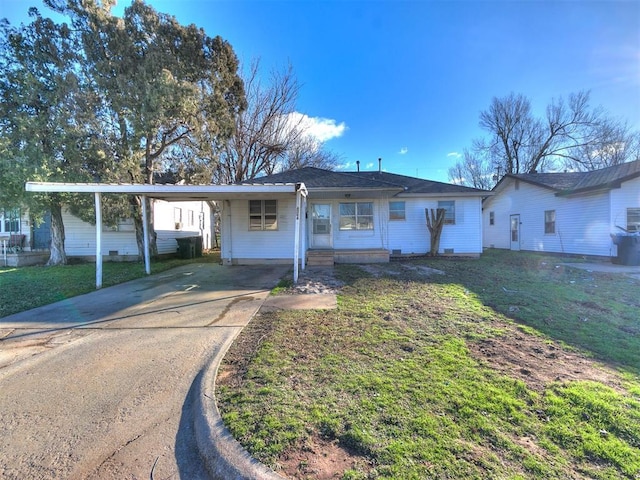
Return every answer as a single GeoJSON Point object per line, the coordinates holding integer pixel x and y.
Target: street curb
{"type": "Point", "coordinates": [223, 456]}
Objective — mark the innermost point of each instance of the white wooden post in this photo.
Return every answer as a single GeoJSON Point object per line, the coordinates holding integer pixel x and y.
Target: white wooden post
{"type": "Point", "coordinates": [98, 199]}
{"type": "Point", "coordinates": [303, 230]}
{"type": "Point", "coordinates": [296, 236]}
{"type": "Point", "coordinates": [145, 234]}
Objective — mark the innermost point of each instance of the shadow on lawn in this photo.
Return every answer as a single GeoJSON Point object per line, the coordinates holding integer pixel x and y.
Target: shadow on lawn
{"type": "Point", "coordinates": [594, 312]}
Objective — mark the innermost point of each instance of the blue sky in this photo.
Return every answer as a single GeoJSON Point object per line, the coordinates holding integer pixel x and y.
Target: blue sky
{"type": "Point", "coordinates": [406, 81]}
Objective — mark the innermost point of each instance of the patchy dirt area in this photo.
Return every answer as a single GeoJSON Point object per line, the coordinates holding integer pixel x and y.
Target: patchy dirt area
{"type": "Point", "coordinates": [538, 362]}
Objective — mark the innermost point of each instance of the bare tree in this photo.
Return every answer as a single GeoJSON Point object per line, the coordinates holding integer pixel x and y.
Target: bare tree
{"type": "Point", "coordinates": [307, 151]}
{"type": "Point", "coordinates": [611, 142]}
{"type": "Point", "coordinates": [269, 135]}
{"type": "Point", "coordinates": [571, 135]}
{"type": "Point", "coordinates": [474, 170]}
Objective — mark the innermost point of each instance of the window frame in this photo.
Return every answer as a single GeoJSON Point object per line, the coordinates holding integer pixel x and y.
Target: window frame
{"type": "Point", "coordinates": [401, 214]}
{"type": "Point", "coordinates": [549, 224]}
{"type": "Point", "coordinates": [356, 223]}
{"type": "Point", "coordinates": [266, 215]}
{"type": "Point", "coordinates": [450, 213]}
{"type": "Point", "coordinates": [631, 213]}
{"type": "Point", "coordinates": [9, 218]}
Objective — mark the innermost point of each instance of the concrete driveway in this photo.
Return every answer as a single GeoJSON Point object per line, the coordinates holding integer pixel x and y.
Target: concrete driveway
{"type": "Point", "coordinates": [101, 385]}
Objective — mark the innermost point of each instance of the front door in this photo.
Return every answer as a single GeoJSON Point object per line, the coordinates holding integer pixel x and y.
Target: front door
{"type": "Point", "coordinates": [321, 234]}
{"type": "Point", "coordinates": [515, 232]}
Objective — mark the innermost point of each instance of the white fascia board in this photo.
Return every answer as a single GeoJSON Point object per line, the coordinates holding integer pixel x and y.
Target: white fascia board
{"type": "Point", "coordinates": [445, 195]}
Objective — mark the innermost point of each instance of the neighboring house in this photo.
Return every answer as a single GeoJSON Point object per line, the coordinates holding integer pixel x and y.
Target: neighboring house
{"type": "Point", "coordinates": [27, 243]}
{"type": "Point", "coordinates": [573, 213]}
{"type": "Point", "coordinates": [171, 220]}
{"type": "Point", "coordinates": [350, 217]}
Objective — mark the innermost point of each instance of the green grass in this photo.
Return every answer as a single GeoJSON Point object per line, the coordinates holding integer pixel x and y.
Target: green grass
{"type": "Point", "coordinates": [390, 375]}
{"type": "Point", "coordinates": [29, 287]}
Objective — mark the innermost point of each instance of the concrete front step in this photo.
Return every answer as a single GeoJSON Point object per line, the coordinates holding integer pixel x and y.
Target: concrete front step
{"type": "Point", "coordinates": [329, 257]}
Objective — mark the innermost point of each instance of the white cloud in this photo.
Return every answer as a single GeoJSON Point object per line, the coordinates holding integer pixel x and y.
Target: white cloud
{"type": "Point", "coordinates": [403, 150]}
{"type": "Point", "coordinates": [454, 154]}
{"type": "Point", "coordinates": [322, 129]}
{"type": "Point", "coordinates": [369, 165]}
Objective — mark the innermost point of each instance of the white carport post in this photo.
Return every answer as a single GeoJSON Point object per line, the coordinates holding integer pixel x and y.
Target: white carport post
{"type": "Point", "coordinates": [145, 234]}
{"type": "Point", "coordinates": [300, 192]}
{"type": "Point", "coordinates": [98, 199]}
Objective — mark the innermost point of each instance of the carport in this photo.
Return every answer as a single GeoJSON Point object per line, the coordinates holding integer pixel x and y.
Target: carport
{"type": "Point", "coordinates": [180, 193]}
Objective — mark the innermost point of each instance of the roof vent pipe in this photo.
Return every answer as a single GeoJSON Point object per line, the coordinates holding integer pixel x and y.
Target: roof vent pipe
{"type": "Point", "coordinates": [379, 165]}
{"type": "Point", "coordinates": [358, 164]}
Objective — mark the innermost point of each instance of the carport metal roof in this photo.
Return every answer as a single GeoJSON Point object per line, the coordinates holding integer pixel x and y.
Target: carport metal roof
{"type": "Point", "coordinates": [175, 193]}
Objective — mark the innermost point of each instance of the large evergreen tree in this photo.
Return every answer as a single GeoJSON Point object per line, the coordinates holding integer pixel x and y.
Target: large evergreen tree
{"type": "Point", "coordinates": [110, 99]}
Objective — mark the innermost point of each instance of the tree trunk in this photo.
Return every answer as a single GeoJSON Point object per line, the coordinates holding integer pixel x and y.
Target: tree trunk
{"type": "Point", "coordinates": [136, 204]}
{"type": "Point", "coordinates": [57, 254]}
{"type": "Point", "coordinates": [435, 222]}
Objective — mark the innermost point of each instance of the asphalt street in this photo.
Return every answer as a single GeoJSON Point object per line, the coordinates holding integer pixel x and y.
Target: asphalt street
{"type": "Point", "coordinates": [100, 386]}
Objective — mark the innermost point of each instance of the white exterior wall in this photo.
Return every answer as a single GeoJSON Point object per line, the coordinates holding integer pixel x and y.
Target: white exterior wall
{"type": "Point", "coordinates": [241, 245]}
{"type": "Point", "coordinates": [80, 239]}
{"type": "Point", "coordinates": [411, 236]}
{"type": "Point", "coordinates": [628, 196]}
{"type": "Point", "coordinates": [80, 236]}
{"type": "Point", "coordinates": [164, 224]}
{"type": "Point", "coordinates": [583, 223]}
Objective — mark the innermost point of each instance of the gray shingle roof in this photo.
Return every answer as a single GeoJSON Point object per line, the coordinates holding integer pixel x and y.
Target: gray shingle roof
{"type": "Point", "coordinates": [317, 178]}
{"type": "Point", "coordinates": [576, 182]}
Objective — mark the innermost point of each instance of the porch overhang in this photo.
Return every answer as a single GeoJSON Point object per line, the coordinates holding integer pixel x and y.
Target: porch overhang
{"type": "Point", "coordinates": [174, 193]}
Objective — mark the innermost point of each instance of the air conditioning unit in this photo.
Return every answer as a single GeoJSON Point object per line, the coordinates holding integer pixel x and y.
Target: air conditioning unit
{"type": "Point", "coordinates": [178, 225]}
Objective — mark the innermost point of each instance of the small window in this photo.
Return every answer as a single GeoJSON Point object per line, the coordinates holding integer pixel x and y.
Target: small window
{"type": "Point", "coordinates": [396, 211]}
{"type": "Point", "coordinates": [492, 218]}
{"type": "Point", "coordinates": [263, 214]}
{"type": "Point", "coordinates": [177, 215]}
{"type": "Point", "coordinates": [191, 219]}
{"type": "Point", "coordinates": [550, 222]}
{"type": "Point", "coordinates": [356, 216]}
{"type": "Point", "coordinates": [10, 220]}
{"type": "Point", "coordinates": [633, 219]}
{"type": "Point", "coordinates": [449, 207]}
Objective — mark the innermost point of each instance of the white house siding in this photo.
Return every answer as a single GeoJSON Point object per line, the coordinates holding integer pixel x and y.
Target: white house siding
{"type": "Point", "coordinates": [628, 196]}
{"type": "Point", "coordinates": [239, 245]}
{"type": "Point", "coordinates": [80, 239]}
{"type": "Point", "coordinates": [582, 222]}
{"type": "Point", "coordinates": [80, 236]}
{"type": "Point", "coordinates": [411, 236]}
{"type": "Point", "coordinates": [164, 218]}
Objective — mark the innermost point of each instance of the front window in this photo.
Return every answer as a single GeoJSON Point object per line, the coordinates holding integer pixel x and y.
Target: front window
{"type": "Point", "coordinates": [396, 211]}
{"type": "Point", "coordinates": [356, 216]}
{"type": "Point", "coordinates": [633, 219]}
{"type": "Point", "coordinates": [550, 222]}
{"type": "Point", "coordinates": [263, 214]}
{"type": "Point", "coordinates": [449, 207]}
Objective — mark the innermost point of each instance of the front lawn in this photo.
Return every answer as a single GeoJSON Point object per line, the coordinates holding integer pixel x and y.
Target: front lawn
{"type": "Point", "coordinates": [510, 366]}
{"type": "Point", "coordinates": [29, 287]}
